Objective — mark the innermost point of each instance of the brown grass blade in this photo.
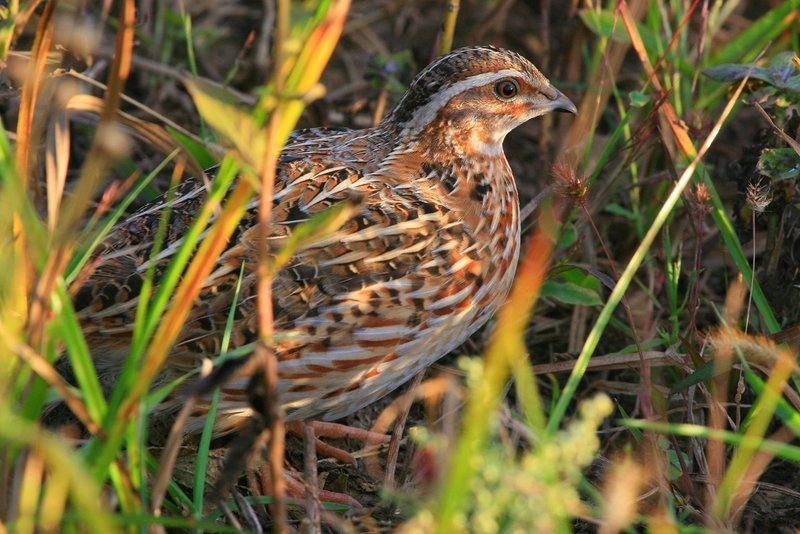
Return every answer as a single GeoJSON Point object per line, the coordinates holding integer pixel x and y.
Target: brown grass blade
{"type": "Point", "coordinates": [30, 90]}
{"type": "Point", "coordinates": [102, 152]}
{"type": "Point", "coordinates": [154, 134]}
{"type": "Point", "coordinates": [56, 164]}
{"type": "Point", "coordinates": [617, 361]}
{"type": "Point", "coordinates": [667, 117]}
{"type": "Point", "coordinates": [599, 89]}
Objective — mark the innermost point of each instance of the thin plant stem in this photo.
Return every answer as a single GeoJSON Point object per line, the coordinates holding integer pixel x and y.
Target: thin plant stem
{"type": "Point", "coordinates": [645, 404]}
{"type": "Point", "coordinates": [449, 27]}
{"type": "Point", "coordinates": [753, 278]}
{"type": "Point", "coordinates": [264, 352]}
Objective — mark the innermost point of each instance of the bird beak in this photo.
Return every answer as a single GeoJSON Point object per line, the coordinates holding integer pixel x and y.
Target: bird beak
{"type": "Point", "coordinates": [558, 101]}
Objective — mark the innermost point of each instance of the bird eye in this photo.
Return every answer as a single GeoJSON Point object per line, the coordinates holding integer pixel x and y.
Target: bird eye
{"type": "Point", "coordinates": [506, 89]}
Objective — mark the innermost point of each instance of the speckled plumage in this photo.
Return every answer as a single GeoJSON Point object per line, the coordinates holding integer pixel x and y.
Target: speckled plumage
{"type": "Point", "coordinates": [427, 260]}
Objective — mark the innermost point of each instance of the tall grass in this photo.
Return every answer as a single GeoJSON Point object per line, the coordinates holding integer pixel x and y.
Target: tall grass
{"type": "Point", "coordinates": [686, 453]}
{"type": "Point", "coordinates": [38, 319]}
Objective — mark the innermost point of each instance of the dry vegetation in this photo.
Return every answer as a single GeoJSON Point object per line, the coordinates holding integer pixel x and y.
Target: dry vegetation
{"type": "Point", "coordinates": [646, 216]}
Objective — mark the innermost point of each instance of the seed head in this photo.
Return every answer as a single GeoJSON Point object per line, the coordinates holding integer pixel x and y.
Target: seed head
{"type": "Point", "coordinates": [700, 199]}
{"type": "Point", "coordinates": [569, 183]}
{"type": "Point", "coordinates": [758, 195]}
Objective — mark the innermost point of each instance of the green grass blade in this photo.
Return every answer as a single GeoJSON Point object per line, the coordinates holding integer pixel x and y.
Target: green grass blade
{"type": "Point", "coordinates": [625, 279]}
{"type": "Point", "coordinates": [781, 450]}
{"type": "Point", "coordinates": [208, 428]}
{"type": "Point", "coordinates": [750, 42]}
{"type": "Point", "coordinates": [68, 328]}
{"type": "Point", "coordinates": [62, 464]}
{"type": "Point", "coordinates": [734, 247]}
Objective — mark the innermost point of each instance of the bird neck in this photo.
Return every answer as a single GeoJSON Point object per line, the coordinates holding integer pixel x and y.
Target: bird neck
{"type": "Point", "coordinates": [465, 168]}
{"type": "Point", "coordinates": [468, 163]}
{"type": "Point", "coordinates": [479, 190]}
{"type": "Point", "coordinates": [474, 183]}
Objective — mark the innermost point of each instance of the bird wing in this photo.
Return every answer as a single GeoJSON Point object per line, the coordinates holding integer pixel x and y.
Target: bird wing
{"type": "Point", "coordinates": [395, 288]}
{"type": "Point", "coordinates": [107, 298]}
{"type": "Point", "coordinates": [397, 285]}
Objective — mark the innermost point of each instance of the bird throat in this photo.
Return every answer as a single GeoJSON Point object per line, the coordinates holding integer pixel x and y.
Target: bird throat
{"type": "Point", "coordinates": [481, 191]}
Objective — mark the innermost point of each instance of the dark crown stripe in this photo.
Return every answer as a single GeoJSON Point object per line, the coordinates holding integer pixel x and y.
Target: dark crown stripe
{"type": "Point", "coordinates": [451, 69]}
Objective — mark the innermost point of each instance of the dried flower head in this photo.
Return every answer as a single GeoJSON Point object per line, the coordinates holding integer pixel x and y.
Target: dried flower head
{"type": "Point", "coordinates": [702, 195]}
{"type": "Point", "coordinates": [758, 195]}
{"type": "Point", "coordinates": [758, 350]}
{"type": "Point", "coordinates": [569, 183]}
{"type": "Point", "coordinates": [699, 200]}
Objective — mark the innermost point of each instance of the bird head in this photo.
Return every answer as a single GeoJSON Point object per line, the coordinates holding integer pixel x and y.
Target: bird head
{"type": "Point", "coordinates": [479, 92]}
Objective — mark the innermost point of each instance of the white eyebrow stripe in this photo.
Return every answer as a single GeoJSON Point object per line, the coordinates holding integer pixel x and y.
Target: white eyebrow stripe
{"type": "Point", "coordinates": [427, 113]}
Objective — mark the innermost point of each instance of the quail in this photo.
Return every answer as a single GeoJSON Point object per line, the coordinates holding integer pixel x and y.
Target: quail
{"type": "Point", "coordinates": [428, 258]}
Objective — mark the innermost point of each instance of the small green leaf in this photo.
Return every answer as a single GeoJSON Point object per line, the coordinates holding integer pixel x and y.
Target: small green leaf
{"type": "Point", "coordinates": [605, 23]}
{"type": "Point", "coordinates": [568, 237]}
{"type": "Point", "coordinates": [792, 84]}
{"type": "Point", "coordinates": [674, 470]}
{"type": "Point", "coordinates": [570, 293]}
{"type": "Point", "coordinates": [779, 163]}
{"type": "Point", "coordinates": [198, 150]}
{"type": "Point", "coordinates": [232, 123]}
{"type": "Point", "coordinates": [638, 99]}
{"type": "Point", "coordinates": [782, 72]}
{"type": "Point", "coordinates": [579, 276]}
{"type": "Point", "coordinates": [703, 374]}
{"type": "Point", "coordinates": [783, 67]}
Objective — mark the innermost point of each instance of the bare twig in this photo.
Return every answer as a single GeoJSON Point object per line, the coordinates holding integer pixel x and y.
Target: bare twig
{"type": "Point", "coordinates": [789, 141]}
{"type": "Point", "coordinates": [248, 512]}
{"type": "Point", "coordinates": [397, 434]}
{"type": "Point", "coordinates": [310, 472]}
{"type": "Point", "coordinates": [167, 462]}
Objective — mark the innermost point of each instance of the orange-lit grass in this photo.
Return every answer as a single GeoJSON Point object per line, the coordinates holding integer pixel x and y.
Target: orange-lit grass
{"type": "Point", "coordinates": [505, 355]}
